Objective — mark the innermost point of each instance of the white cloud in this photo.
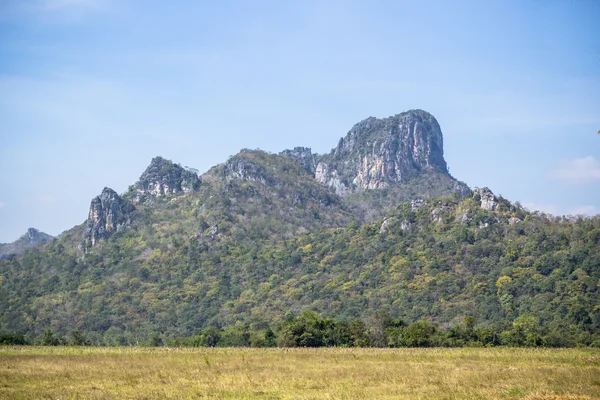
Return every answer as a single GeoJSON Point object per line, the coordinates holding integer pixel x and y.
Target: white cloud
{"type": "Point", "coordinates": [579, 170]}
{"type": "Point", "coordinates": [2, 205]}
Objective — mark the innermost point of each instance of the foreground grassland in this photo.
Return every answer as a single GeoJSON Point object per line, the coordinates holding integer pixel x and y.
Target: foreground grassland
{"type": "Point", "coordinates": [240, 373]}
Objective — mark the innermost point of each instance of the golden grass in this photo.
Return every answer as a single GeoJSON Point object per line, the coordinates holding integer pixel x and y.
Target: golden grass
{"type": "Point", "coordinates": [156, 373]}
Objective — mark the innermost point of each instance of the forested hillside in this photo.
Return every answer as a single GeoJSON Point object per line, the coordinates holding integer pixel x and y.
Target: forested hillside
{"type": "Point", "coordinates": [246, 249]}
{"type": "Point", "coordinates": [440, 263]}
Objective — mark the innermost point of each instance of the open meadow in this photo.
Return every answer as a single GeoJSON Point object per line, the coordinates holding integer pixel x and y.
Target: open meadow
{"type": "Point", "coordinates": [325, 373]}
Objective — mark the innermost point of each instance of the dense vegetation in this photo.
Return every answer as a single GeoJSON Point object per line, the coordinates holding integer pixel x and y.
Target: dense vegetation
{"type": "Point", "coordinates": [261, 242]}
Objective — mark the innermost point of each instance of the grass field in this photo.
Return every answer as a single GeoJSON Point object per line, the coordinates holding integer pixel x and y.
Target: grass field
{"type": "Point", "coordinates": [153, 373]}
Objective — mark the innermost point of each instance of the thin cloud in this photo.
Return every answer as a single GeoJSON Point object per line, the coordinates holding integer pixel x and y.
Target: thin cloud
{"type": "Point", "coordinates": [578, 171]}
{"type": "Point", "coordinates": [2, 205]}
{"type": "Point", "coordinates": [55, 5]}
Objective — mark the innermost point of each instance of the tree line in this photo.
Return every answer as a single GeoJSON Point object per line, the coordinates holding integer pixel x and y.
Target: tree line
{"type": "Point", "coordinates": [311, 329]}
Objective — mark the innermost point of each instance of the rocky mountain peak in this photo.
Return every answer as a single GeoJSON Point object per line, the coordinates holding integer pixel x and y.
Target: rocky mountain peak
{"type": "Point", "coordinates": [163, 177]}
{"type": "Point", "coordinates": [249, 165]}
{"type": "Point", "coordinates": [31, 238]}
{"type": "Point", "coordinates": [35, 237]}
{"type": "Point", "coordinates": [304, 156]}
{"type": "Point", "coordinates": [377, 153]}
{"type": "Point", "coordinates": [108, 214]}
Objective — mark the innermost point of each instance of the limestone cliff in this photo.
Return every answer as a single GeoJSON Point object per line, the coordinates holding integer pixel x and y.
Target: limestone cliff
{"type": "Point", "coordinates": [163, 177]}
{"type": "Point", "coordinates": [487, 198]}
{"type": "Point", "coordinates": [108, 214]}
{"type": "Point", "coordinates": [378, 153]}
{"type": "Point", "coordinates": [304, 156]}
{"type": "Point", "coordinates": [241, 167]}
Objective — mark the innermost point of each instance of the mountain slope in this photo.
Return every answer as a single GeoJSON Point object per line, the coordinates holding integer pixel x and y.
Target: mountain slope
{"type": "Point", "coordinates": [261, 237]}
{"type": "Point", "coordinates": [30, 239]}
{"type": "Point", "coordinates": [441, 260]}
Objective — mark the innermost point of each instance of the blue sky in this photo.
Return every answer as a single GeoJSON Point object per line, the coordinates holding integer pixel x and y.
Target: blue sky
{"type": "Point", "coordinates": [91, 90]}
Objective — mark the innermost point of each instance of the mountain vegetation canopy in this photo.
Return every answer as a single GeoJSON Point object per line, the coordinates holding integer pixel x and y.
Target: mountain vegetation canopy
{"type": "Point", "coordinates": [373, 244]}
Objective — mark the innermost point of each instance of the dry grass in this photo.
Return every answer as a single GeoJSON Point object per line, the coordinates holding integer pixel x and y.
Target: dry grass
{"type": "Point", "coordinates": [142, 373]}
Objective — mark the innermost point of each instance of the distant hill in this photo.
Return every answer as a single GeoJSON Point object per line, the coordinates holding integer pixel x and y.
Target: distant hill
{"type": "Point", "coordinates": [377, 224]}
{"type": "Point", "coordinates": [32, 238]}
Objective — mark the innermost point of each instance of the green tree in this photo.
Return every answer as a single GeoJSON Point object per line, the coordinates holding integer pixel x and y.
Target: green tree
{"type": "Point", "coordinates": [419, 334]}
{"type": "Point", "coordinates": [525, 331]}
{"type": "Point", "coordinates": [377, 328]}
{"type": "Point", "coordinates": [156, 340]}
{"type": "Point", "coordinates": [358, 331]}
{"type": "Point", "coordinates": [48, 339]}
{"type": "Point", "coordinates": [79, 339]}
{"type": "Point", "coordinates": [12, 339]}
{"type": "Point", "coordinates": [307, 330]}
{"type": "Point", "coordinates": [270, 338]}
{"type": "Point", "coordinates": [211, 337]}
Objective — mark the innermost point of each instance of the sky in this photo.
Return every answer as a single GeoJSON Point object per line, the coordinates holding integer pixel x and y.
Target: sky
{"type": "Point", "coordinates": [92, 90]}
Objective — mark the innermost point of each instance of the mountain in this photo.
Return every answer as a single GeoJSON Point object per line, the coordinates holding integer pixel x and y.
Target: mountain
{"type": "Point", "coordinates": [402, 156]}
{"type": "Point", "coordinates": [379, 153]}
{"type": "Point", "coordinates": [31, 238]}
{"type": "Point", "coordinates": [108, 214]}
{"type": "Point", "coordinates": [163, 177]}
{"type": "Point", "coordinates": [376, 225]}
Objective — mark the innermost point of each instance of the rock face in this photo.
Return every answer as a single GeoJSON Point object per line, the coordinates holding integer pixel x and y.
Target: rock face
{"type": "Point", "coordinates": [329, 177]}
{"type": "Point", "coordinates": [385, 225]}
{"type": "Point", "coordinates": [514, 220]}
{"type": "Point", "coordinates": [488, 199]}
{"type": "Point", "coordinates": [243, 169]}
{"type": "Point", "coordinates": [377, 153]}
{"type": "Point", "coordinates": [108, 214]}
{"type": "Point", "coordinates": [304, 156]}
{"type": "Point", "coordinates": [163, 177]}
{"type": "Point", "coordinates": [416, 204]}
{"type": "Point", "coordinates": [31, 238]}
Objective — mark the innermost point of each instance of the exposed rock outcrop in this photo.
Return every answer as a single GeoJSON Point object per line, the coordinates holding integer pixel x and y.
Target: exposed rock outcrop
{"type": "Point", "coordinates": [243, 169]}
{"type": "Point", "coordinates": [163, 177]}
{"type": "Point", "coordinates": [304, 156]}
{"type": "Point", "coordinates": [488, 199]}
{"type": "Point", "coordinates": [416, 204]}
{"type": "Point", "coordinates": [328, 177]}
{"type": "Point", "coordinates": [31, 238]}
{"type": "Point", "coordinates": [437, 215]}
{"type": "Point", "coordinates": [514, 220]}
{"type": "Point", "coordinates": [377, 153]}
{"type": "Point", "coordinates": [462, 189]}
{"type": "Point", "coordinates": [108, 214]}
{"type": "Point", "coordinates": [464, 218]}
{"type": "Point", "coordinates": [385, 225]}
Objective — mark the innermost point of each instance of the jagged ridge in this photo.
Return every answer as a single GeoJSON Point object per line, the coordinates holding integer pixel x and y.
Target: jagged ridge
{"type": "Point", "coordinates": [31, 238]}
{"type": "Point", "coordinates": [163, 177]}
{"type": "Point", "coordinates": [108, 214]}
